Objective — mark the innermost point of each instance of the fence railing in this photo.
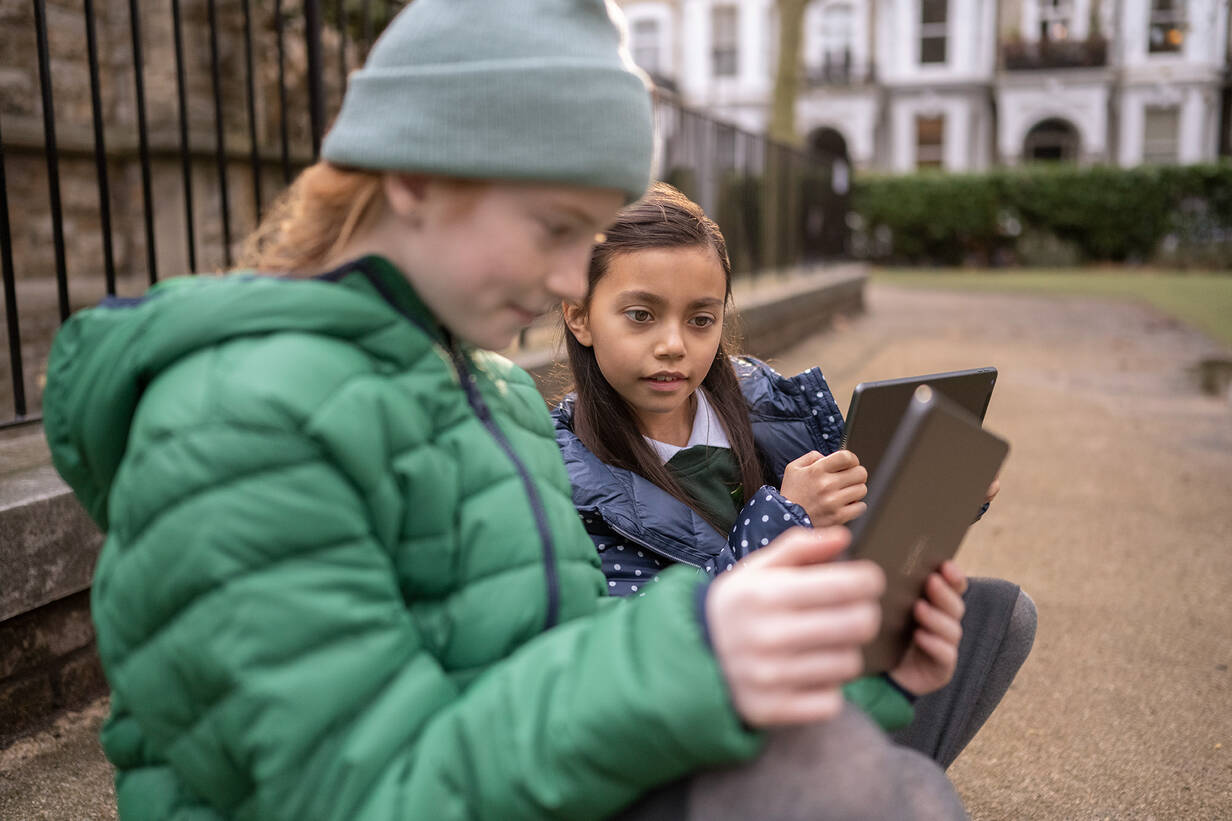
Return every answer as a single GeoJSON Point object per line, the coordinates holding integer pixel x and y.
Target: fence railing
{"type": "Point", "coordinates": [158, 148]}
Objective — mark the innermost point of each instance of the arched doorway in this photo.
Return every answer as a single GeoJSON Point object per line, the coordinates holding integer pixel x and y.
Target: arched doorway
{"type": "Point", "coordinates": [826, 197]}
{"type": "Point", "coordinates": [1051, 140]}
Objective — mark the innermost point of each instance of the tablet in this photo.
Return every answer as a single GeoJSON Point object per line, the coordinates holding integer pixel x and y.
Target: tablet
{"type": "Point", "coordinates": [936, 471]}
{"type": "Point", "coordinates": [877, 407]}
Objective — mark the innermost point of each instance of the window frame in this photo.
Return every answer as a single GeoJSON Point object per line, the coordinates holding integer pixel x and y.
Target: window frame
{"type": "Point", "coordinates": [934, 31]}
{"type": "Point", "coordinates": [725, 56]}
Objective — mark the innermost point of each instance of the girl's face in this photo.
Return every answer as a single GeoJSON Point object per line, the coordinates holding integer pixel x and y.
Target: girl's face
{"type": "Point", "coordinates": [655, 320]}
{"type": "Point", "coordinates": [489, 258]}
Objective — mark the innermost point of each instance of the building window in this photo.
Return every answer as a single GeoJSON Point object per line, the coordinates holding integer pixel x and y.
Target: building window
{"type": "Point", "coordinates": [836, 37]}
{"type": "Point", "coordinates": [933, 28]}
{"type": "Point", "coordinates": [644, 40]}
{"type": "Point", "coordinates": [929, 142]}
{"type": "Point", "coordinates": [1159, 140]}
{"type": "Point", "coordinates": [1167, 29]}
{"type": "Point", "coordinates": [725, 53]}
{"type": "Point", "coordinates": [1056, 20]}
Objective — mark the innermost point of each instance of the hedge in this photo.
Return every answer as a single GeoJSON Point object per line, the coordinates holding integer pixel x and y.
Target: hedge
{"type": "Point", "coordinates": [1179, 213]}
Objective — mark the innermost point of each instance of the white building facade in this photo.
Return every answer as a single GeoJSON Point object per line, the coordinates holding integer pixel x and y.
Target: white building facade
{"type": "Point", "coordinates": [960, 85]}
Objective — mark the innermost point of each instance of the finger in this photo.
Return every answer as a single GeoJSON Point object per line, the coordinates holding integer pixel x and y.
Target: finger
{"type": "Point", "coordinates": [850, 512]}
{"type": "Point", "coordinates": [938, 622]}
{"type": "Point", "coordinates": [944, 597]}
{"type": "Point", "coordinates": [839, 461]}
{"type": "Point", "coordinates": [954, 576]}
{"type": "Point", "coordinates": [804, 671]}
{"type": "Point", "coordinates": [839, 627]}
{"type": "Point", "coordinates": [857, 475]}
{"type": "Point", "coordinates": [799, 547]}
{"type": "Point", "coordinates": [790, 708]}
{"type": "Point", "coordinates": [993, 490]}
{"type": "Point", "coordinates": [937, 649]}
{"type": "Point", "coordinates": [805, 460]}
{"type": "Point", "coordinates": [845, 496]}
{"type": "Point", "coordinates": [820, 585]}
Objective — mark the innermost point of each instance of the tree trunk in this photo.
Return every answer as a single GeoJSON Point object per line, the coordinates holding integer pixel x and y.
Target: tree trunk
{"type": "Point", "coordinates": [787, 75]}
{"type": "Point", "coordinates": [779, 195]}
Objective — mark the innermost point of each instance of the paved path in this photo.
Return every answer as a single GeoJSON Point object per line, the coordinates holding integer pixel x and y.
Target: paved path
{"type": "Point", "coordinates": [1115, 514]}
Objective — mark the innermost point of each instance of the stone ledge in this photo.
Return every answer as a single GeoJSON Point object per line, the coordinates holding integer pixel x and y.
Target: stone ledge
{"type": "Point", "coordinates": [47, 542]}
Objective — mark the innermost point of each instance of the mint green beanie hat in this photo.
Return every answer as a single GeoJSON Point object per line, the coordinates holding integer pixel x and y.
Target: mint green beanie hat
{"type": "Point", "coordinates": [529, 91]}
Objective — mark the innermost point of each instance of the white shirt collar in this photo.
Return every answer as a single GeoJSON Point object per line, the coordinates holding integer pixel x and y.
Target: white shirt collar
{"type": "Point", "coordinates": [707, 430]}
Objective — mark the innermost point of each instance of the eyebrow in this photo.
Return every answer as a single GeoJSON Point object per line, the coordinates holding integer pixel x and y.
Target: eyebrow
{"type": "Point", "coordinates": [655, 299]}
{"type": "Point", "coordinates": [587, 220]}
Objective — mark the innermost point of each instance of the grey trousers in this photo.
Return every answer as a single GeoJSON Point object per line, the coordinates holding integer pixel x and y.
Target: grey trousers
{"type": "Point", "coordinates": [847, 768]}
{"type": "Point", "coordinates": [998, 632]}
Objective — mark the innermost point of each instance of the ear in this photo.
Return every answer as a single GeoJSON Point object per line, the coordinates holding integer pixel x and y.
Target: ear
{"type": "Point", "coordinates": [406, 194]}
{"type": "Point", "coordinates": [578, 321]}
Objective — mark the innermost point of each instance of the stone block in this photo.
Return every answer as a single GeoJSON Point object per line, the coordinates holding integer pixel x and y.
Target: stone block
{"type": "Point", "coordinates": [37, 638]}
{"type": "Point", "coordinates": [48, 545]}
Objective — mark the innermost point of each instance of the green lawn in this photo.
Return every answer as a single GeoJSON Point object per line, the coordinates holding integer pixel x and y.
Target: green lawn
{"type": "Point", "coordinates": [1202, 300]}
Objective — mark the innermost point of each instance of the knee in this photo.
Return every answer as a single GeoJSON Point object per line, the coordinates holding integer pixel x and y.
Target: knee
{"type": "Point", "coordinates": [1020, 635]}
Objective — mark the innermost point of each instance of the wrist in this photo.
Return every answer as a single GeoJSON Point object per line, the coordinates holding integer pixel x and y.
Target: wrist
{"type": "Point", "coordinates": [911, 696]}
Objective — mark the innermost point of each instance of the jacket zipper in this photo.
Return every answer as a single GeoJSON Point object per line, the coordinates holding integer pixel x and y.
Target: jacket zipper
{"type": "Point", "coordinates": [481, 410]}
{"type": "Point", "coordinates": [639, 541]}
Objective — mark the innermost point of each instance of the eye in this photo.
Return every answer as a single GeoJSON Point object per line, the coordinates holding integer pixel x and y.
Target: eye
{"type": "Point", "coordinates": [703, 321]}
{"type": "Point", "coordinates": [557, 230]}
{"type": "Point", "coordinates": [638, 315]}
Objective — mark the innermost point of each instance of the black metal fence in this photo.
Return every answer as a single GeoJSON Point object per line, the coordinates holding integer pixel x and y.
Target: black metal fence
{"type": "Point", "coordinates": [275, 75]}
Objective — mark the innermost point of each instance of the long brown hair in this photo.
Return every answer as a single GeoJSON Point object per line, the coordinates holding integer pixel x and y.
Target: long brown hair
{"type": "Point", "coordinates": [317, 215]}
{"type": "Point", "coordinates": [664, 218]}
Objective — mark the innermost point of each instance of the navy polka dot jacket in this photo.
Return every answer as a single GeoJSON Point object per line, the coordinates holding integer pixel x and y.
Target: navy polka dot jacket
{"type": "Point", "coordinates": [639, 529]}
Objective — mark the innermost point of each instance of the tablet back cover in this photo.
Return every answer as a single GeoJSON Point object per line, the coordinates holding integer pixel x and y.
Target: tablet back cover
{"type": "Point", "coordinates": [877, 407]}
{"type": "Point", "coordinates": [936, 471]}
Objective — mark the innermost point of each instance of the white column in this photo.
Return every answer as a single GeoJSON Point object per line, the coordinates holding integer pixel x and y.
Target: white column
{"type": "Point", "coordinates": [902, 138]}
{"type": "Point", "coordinates": [695, 76]}
{"type": "Point", "coordinates": [1030, 20]}
{"type": "Point", "coordinates": [956, 147]}
{"type": "Point", "coordinates": [1192, 129]}
{"type": "Point", "coordinates": [1131, 135]}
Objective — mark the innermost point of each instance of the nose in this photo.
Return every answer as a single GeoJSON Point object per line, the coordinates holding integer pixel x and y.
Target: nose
{"type": "Point", "coordinates": [670, 344]}
{"type": "Point", "coordinates": [567, 275]}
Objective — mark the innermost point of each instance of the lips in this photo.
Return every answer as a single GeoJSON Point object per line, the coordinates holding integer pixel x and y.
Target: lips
{"type": "Point", "coordinates": [665, 380]}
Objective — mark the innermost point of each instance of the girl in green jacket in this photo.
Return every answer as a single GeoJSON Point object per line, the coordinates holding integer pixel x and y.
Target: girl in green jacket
{"type": "Point", "coordinates": [343, 577]}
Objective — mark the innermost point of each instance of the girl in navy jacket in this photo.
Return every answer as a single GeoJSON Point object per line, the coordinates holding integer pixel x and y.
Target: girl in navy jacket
{"type": "Point", "coordinates": [681, 453]}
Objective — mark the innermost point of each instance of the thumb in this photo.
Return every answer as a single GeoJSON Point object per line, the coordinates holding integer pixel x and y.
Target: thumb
{"type": "Point", "coordinates": [800, 546]}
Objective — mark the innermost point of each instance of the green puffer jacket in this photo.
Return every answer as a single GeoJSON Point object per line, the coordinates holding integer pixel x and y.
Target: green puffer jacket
{"type": "Point", "coordinates": [343, 575]}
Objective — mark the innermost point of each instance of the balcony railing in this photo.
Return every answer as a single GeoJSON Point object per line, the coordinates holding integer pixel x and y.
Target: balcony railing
{"type": "Point", "coordinates": [1022, 55]}
{"type": "Point", "coordinates": [838, 70]}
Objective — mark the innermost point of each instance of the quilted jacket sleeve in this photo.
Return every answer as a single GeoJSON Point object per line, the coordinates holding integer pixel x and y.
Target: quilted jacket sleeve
{"type": "Point", "coordinates": [274, 663]}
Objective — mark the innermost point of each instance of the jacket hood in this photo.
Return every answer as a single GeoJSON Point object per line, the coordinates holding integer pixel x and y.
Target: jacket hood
{"type": "Point", "coordinates": [104, 357]}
